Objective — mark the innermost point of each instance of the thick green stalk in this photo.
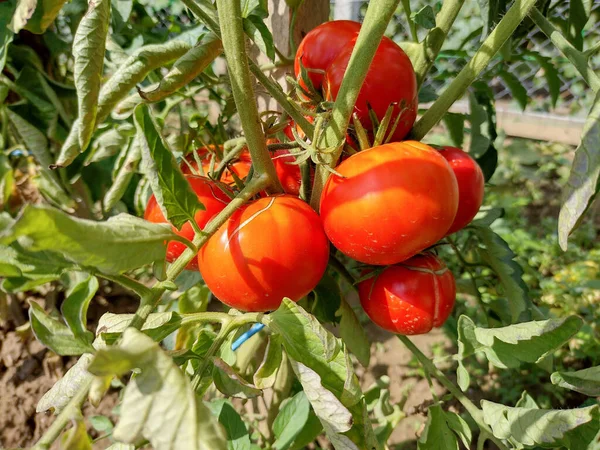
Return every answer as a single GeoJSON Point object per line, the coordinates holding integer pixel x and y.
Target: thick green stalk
{"type": "Point", "coordinates": [577, 58]}
{"type": "Point", "coordinates": [376, 21]}
{"type": "Point", "coordinates": [234, 44]}
{"type": "Point", "coordinates": [427, 51]}
{"type": "Point", "coordinates": [505, 28]}
{"type": "Point", "coordinates": [411, 23]}
{"type": "Point", "coordinates": [204, 13]}
{"type": "Point", "coordinates": [473, 410]}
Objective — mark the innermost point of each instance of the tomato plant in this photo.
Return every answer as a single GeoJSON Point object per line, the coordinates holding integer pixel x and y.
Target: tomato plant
{"type": "Point", "coordinates": [389, 202]}
{"type": "Point", "coordinates": [411, 297]}
{"type": "Point", "coordinates": [185, 221]}
{"type": "Point", "coordinates": [251, 270]}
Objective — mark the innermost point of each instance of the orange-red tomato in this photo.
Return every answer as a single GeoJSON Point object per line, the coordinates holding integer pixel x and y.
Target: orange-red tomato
{"type": "Point", "coordinates": [390, 80]}
{"type": "Point", "coordinates": [470, 186]}
{"type": "Point", "coordinates": [320, 47]}
{"type": "Point", "coordinates": [392, 202]}
{"type": "Point", "coordinates": [241, 167]}
{"type": "Point", "coordinates": [288, 173]}
{"type": "Point", "coordinates": [411, 297]}
{"type": "Point", "coordinates": [213, 199]}
{"type": "Point", "coordinates": [271, 248]}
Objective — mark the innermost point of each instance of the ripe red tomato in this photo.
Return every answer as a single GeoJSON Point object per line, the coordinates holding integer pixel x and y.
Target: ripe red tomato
{"type": "Point", "coordinates": [271, 248]}
{"type": "Point", "coordinates": [390, 79]}
{"type": "Point", "coordinates": [411, 297]}
{"type": "Point", "coordinates": [320, 47]}
{"type": "Point", "coordinates": [241, 167]}
{"type": "Point", "coordinates": [392, 202]}
{"type": "Point", "coordinates": [288, 173]}
{"type": "Point", "coordinates": [470, 186]}
{"type": "Point", "coordinates": [213, 199]}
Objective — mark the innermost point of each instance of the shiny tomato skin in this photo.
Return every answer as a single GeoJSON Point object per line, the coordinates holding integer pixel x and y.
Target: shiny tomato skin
{"type": "Point", "coordinates": [390, 79]}
{"type": "Point", "coordinates": [320, 47]}
{"type": "Point", "coordinates": [241, 167]}
{"type": "Point", "coordinates": [411, 297]}
{"type": "Point", "coordinates": [213, 199]}
{"type": "Point", "coordinates": [394, 201]}
{"type": "Point", "coordinates": [270, 248]}
{"type": "Point", "coordinates": [470, 186]}
{"type": "Point", "coordinates": [288, 173]}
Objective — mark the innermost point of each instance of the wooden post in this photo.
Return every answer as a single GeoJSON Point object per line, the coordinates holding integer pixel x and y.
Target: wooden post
{"type": "Point", "coordinates": [310, 14]}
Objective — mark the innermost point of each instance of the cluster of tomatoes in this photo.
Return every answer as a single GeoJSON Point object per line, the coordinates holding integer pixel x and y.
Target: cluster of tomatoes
{"type": "Point", "coordinates": [387, 206]}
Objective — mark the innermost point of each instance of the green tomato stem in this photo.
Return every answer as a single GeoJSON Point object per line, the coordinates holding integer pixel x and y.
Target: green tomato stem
{"type": "Point", "coordinates": [203, 12]}
{"type": "Point", "coordinates": [577, 58]}
{"type": "Point", "coordinates": [432, 370]}
{"type": "Point", "coordinates": [496, 39]}
{"type": "Point", "coordinates": [376, 21]}
{"type": "Point", "coordinates": [425, 53]}
{"type": "Point", "coordinates": [411, 23]}
{"type": "Point", "coordinates": [234, 44]}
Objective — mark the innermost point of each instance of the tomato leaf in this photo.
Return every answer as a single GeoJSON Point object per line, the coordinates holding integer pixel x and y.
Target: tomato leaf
{"type": "Point", "coordinates": [571, 428]}
{"type": "Point", "coordinates": [54, 334]}
{"type": "Point", "coordinates": [121, 243]}
{"type": "Point", "coordinates": [6, 34]}
{"type": "Point", "coordinates": [266, 374]}
{"type": "Point", "coordinates": [425, 17]}
{"type": "Point", "coordinates": [76, 438]}
{"type": "Point", "coordinates": [500, 257]}
{"type": "Point", "coordinates": [526, 401]}
{"type": "Point", "coordinates": [22, 14]}
{"type": "Point", "coordinates": [584, 178]}
{"type": "Point", "coordinates": [64, 389]}
{"type": "Point", "coordinates": [33, 139]}
{"type": "Point", "coordinates": [110, 142]}
{"type": "Point", "coordinates": [260, 34]}
{"type": "Point", "coordinates": [74, 307]}
{"type": "Point", "coordinates": [160, 390]}
{"type": "Point", "coordinates": [174, 195]}
{"type": "Point", "coordinates": [230, 383]}
{"type": "Point", "coordinates": [312, 428]}
{"type": "Point", "coordinates": [551, 73]}
{"type": "Point", "coordinates": [579, 13]}
{"type": "Point", "coordinates": [491, 12]}
{"type": "Point", "coordinates": [437, 435]}
{"type": "Point", "coordinates": [516, 87]}
{"type": "Point", "coordinates": [158, 326]}
{"type": "Point", "coordinates": [455, 123]}
{"type": "Point", "coordinates": [586, 381]}
{"type": "Point", "coordinates": [88, 54]}
{"type": "Point", "coordinates": [510, 346]}
{"type": "Point", "coordinates": [235, 428]}
{"type": "Point", "coordinates": [124, 174]}
{"type": "Point", "coordinates": [121, 10]}
{"type": "Point", "coordinates": [292, 417]}
{"type": "Point", "coordinates": [353, 334]}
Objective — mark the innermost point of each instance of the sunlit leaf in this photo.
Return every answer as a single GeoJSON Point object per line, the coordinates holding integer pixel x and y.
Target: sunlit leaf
{"type": "Point", "coordinates": [230, 383]}
{"type": "Point", "coordinates": [45, 13]}
{"type": "Point", "coordinates": [22, 14]}
{"type": "Point", "coordinates": [437, 435]}
{"type": "Point", "coordinates": [235, 428]}
{"type": "Point", "coordinates": [353, 334]}
{"type": "Point", "coordinates": [265, 375]}
{"type": "Point", "coordinates": [76, 437]}
{"type": "Point", "coordinates": [290, 421]}
{"type": "Point", "coordinates": [425, 17]}
{"type": "Point", "coordinates": [586, 381]}
{"type": "Point", "coordinates": [74, 307]}
{"type": "Point", "coordinates": [260, 34]}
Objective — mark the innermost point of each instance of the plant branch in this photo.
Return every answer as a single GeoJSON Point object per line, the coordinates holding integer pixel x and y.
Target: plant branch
{"type": "Point", "coordinates": [234, 45]}
{"type": "Point", "coordinates": [505, 28]}
{"type": "Point", "coordinates": [411, 23]}
{"type": "Point", "coordinates": [376, 21]}
{"type": "Point", "coordinates": [207, 15]}
{"type": "Point", "coordinates": [577, 58]}
{"type": "Point", "coordinates": [473, 410]}
{"type": "Point", "coordinates": [129, 283]}
{"type": "Point", "coordinates": [425, 53]}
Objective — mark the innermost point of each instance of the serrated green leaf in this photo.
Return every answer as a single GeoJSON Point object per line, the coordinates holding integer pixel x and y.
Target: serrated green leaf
{"type": "Point", "coordinates": [235, 428]}
{"type": "Point", "coordinates": [437, 435]}
{"type": "Point", "coordinates": [425, 17]}
{"type": "Point", "coordinates": [584, 178]}
{"type": "Point", "coordinates": [74, 307]}
{"type": "Point", "coordinates": [260, 34]}
{"type": "Point", "coordinates": [513, 345]}
{"type": "Point", "coordinates": [579, 14]}
{"type": "Point", "coordinates": [88, 54]}
{"type": "Point", "coordinates": [186, 68]}
{"type": "Point", "coordinates": [160, 390]}
{"type": "Point", "coordinates": [22, 14]}
{"type": "Point", "coordinates": [518, 91]}
{"type": "Point", "coordinates": [54, 334]}
{"type": "Point", "coordinates": [173, 193]}
{"type": "Point", "coordinates": [353, 334]}
{"type": "Point", "coordinates": [265, 375]}
{"type": "Point", "coordinates": [64, 389]}
{"type": "Point", "coordinates": [121, 243]}
{"type": "Point", "coordinates": [45, 13]}
{"type": "Point", "coordinates": [500, 257]}
{"type": "Point", "coordinates": [571, 428]}
{"type": "Point", "coordinates": [33, 139]}
{"type": "Point", "coordinates": [586, 381]}
{"type": "Point", "coordinates": [230, 383]}
{"type": "Point", "coordinates": [290, 421]}
{"type": "Point", "coordinates": [455, 123]}
{"type": "Point", "coordinates": [6, 34]}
